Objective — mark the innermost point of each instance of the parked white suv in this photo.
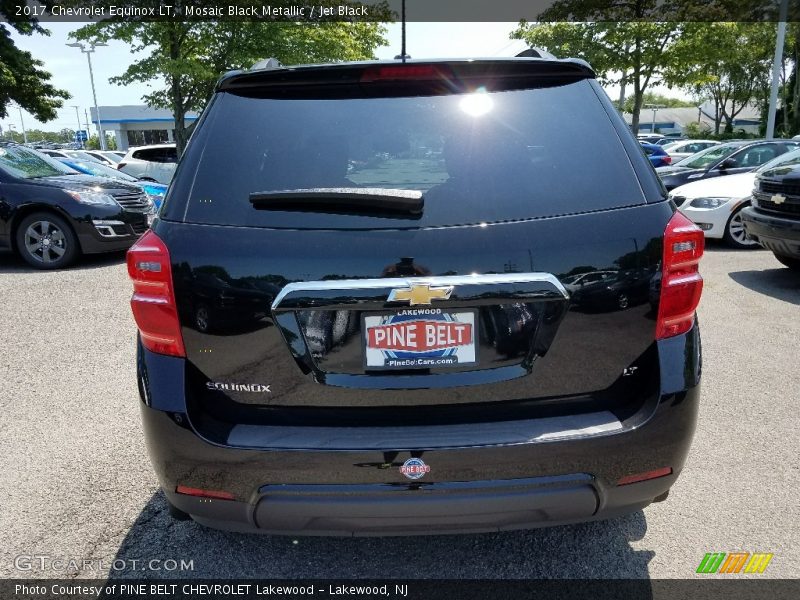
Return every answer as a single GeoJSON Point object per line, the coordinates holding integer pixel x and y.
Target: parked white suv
{"type": "Point", "coordinates": [156, 162]}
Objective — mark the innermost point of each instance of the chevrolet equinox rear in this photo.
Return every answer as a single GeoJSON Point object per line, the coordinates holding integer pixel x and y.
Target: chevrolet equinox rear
{"type": "Point", "coordinates": [393, 298]}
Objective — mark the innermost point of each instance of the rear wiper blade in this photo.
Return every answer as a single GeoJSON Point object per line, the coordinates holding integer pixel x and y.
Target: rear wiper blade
{"type": "Point", "coordinates": [366, 201]}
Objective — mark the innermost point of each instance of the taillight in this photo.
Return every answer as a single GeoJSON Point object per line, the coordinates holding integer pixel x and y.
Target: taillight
{"type": "Point", "coordinates": [667, 160]}
{"type": "Point", "coordinates": [400, 72]}
{"type": "Point", "coordinates": [681, 284]}
{"type": "Point", "coordinates": [153, 300]}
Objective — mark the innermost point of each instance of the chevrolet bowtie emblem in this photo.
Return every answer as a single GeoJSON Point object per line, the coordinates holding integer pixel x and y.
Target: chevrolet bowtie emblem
{"type": "Point", "coordinates": [778, 199]}
{"type": "Point", "coordinates": [420, 294]}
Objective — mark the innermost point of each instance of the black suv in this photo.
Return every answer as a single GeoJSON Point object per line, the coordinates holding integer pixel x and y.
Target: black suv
{"type": "Point", "coordinates": [50, 213]}
{"type": "Point", "coordinates": [353, 316]}
{"type": "Point", "coordinates": [773, 217]}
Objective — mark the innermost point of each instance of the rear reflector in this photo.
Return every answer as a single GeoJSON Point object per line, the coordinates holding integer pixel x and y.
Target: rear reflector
{"type": "Point", "coordinates": [153, 301]}
{"type": "Point", "coordinates": [400, 72]}
{"type": "Point", "coordinates": [663, 472]}
{"type": "Point", "coordinates": [216, 494]}
{"type": "Point", "coordinates": [681, 283]}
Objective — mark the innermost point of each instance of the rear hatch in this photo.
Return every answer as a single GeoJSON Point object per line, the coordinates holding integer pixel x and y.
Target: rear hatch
{"type": "Point", "coordinates": [357, 242]}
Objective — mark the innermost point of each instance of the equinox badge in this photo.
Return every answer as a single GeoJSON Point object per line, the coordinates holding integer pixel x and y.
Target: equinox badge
{"type": "Point", "coordinates": [417, 294]}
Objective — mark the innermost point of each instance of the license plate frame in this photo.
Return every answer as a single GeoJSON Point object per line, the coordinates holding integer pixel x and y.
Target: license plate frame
{"type": "Point", "coordinates": [460, 355]}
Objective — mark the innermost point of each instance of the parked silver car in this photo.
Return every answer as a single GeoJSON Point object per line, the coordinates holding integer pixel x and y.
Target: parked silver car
{"type": "Point", "coordinates": [684, 148]}
{"type": "Point", "coordinates": [154, 163]}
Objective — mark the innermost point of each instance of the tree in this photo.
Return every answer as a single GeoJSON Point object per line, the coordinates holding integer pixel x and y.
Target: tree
{"type": "Point", "coordinates": [93, 143]}
{"type": "Point", "coordinates": [38, 135]}
{"type": "Point", "coordinates": [22, 80]}
{"type": "Point", "coordinates": [189, 56]}
{"type": "Point", "coordinates": [621, 52]}
{"type": "Point", "coordinates": [729, 63]}
{"type": "Point", "coordinates": [652, 98]}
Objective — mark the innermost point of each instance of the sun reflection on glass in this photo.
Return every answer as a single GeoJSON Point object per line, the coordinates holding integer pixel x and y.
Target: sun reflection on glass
{"type": "Point", "coordinates": [477, 104]}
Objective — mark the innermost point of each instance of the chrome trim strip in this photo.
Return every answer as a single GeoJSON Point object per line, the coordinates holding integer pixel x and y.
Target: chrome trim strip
{"type": "Point", "coordinates": [406, 282]}
{"type": "Point", "coordinates": [106, 228]}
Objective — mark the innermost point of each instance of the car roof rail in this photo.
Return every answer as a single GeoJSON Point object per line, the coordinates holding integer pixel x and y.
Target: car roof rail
{"type": "Point", "coordinates": [535, 53]}
{"type": "Point", "coordinates": [267, 64]}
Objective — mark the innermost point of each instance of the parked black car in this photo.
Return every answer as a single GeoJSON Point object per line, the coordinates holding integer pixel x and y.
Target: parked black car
{"type": "Point", "coordinates": [773, 217]}
{"type": "Point", "coordinates": [610, 290]}
{"type": "Point", "coordinates": [725, 159]}
{"type": "Point", "coordinates": [411, 363]}
{"type": "Point", "coordinates": [50, 214]}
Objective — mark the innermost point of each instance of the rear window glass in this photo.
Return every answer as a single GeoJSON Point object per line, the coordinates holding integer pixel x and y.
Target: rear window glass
{"type": "Point", "coordinates": [476, 157]}
{"type": "Point", "coordinates": [162, 155]}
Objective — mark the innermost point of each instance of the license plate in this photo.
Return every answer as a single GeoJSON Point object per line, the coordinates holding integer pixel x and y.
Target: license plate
{"type": "Point", "coordinates": [419, 339]}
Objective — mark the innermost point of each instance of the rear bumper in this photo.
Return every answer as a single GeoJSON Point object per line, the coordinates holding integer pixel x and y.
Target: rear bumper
{"type": "Point", "coordinates": [779, 234]}
{"type": "Point", "coordinates": [498, 481]}
{"type": "Point", "coordinates": [439, 508]}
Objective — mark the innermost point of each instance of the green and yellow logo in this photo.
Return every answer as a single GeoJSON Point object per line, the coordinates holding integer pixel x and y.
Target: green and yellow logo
{"type": "Point", "coordinates": [734, 562]}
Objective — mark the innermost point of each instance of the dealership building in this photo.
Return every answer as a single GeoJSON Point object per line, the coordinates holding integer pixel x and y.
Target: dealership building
{"type": "Point", "coordinates": [137, 125]}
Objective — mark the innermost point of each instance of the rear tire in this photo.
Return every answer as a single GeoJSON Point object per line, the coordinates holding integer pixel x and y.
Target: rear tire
{"type": "Point", "coordinates": [735, 235]}
{"type": "Point", "coordinates": [46, 241]}
{"type": "Point", "coordinates": [788, 261]}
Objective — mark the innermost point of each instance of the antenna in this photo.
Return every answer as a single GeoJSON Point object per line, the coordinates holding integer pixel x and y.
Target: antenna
{"type": "Point", "coordinates": [403, 33]}
{"type": "Point", "coordinates": [402, 54]}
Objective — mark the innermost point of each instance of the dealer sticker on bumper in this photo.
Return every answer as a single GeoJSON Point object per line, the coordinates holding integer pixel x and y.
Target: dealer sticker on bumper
{"type": "Point", "coordinates": [419, 338]}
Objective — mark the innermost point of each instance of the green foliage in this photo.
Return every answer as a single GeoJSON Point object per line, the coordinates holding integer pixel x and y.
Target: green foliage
{"type": "Point", "coordinates": [622, 52]}
{"type": "Point", "coordinates": [189, 56]}
{"type": "Point", "coordinates": [696, 130]}
{"type": "Point", "coordinates": [37, 135]}
{"type": "Point", "coordinates": [652, 98]}
{"type": "Point", "coordinates": [22, 80]}
{"type": "Point", "coordinates": [93, 143]}
{"type": "Point", "coordinates": [729, 63]}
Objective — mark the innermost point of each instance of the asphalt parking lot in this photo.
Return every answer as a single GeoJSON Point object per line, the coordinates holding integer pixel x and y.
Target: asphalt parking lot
{"type": "Point", "coordinates": [77, 484]}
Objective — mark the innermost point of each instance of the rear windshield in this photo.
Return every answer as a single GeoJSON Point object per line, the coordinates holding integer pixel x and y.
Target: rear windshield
{"type": "Point", "coordinates": [476, 157]}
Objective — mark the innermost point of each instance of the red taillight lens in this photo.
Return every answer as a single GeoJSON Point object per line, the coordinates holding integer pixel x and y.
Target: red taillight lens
{"type": "Point", "coordinates": [667, 160]}
{"type": "Point", "coordinates": [197, 492]}
{"type": "Point", "coordinates": [399, 72]}
{"type": "Point", "coordinates": [681, 284]}
{"type": "Point", "coordinates": [153, 300]}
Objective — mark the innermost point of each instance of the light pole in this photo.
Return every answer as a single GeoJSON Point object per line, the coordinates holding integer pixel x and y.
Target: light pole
{"type": "Point", "coordinates": [77, 116]}
{"type": "Point", "coordinates": [776, 71]}
{"type": "Point", "coordinates": [655, 108]}
{"type": "Point", "coordinates": [22, 123]}
{"type": "Point", "coordinates": [87, 49]}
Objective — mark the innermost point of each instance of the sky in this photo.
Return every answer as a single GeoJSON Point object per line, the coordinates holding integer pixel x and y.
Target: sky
{"type": "Point", "coordinates": [70, 70]}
